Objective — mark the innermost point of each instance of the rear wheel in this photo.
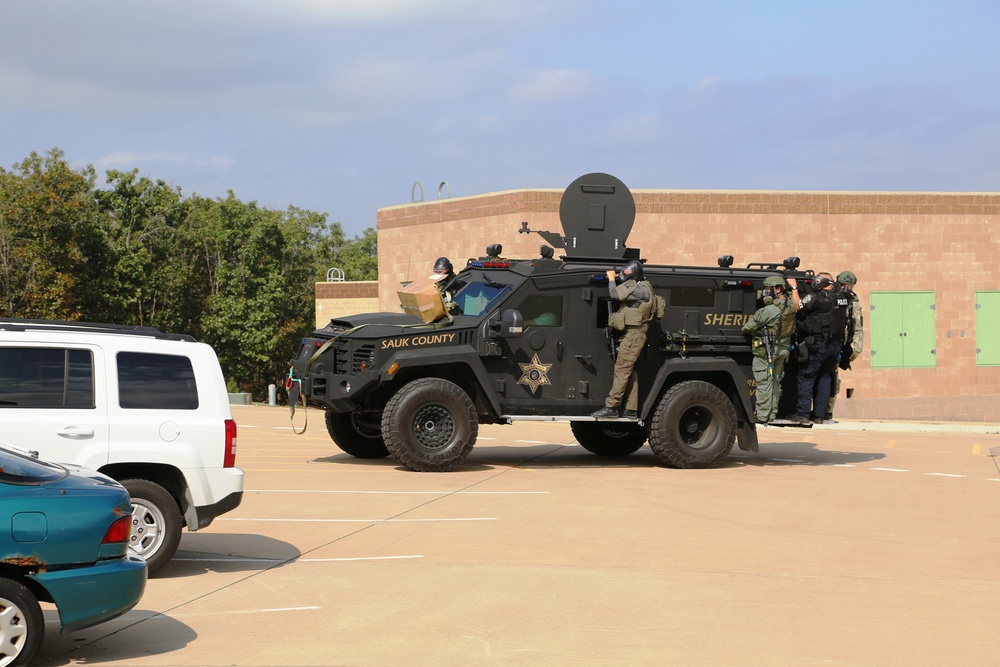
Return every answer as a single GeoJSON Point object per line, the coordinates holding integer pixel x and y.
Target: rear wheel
{"type": "Point", "coordinates": [359, 437]}
{"type": "Point", "coordinates": [21, 624]}
{"type": "Point", "coordinates": [430, 425]}
{"type": "Point", "coordinates": [693, 426]}
{"type": "Point", "coordinates": [156, 523]}
{"type": "Point", "coordinates": [609, 438]}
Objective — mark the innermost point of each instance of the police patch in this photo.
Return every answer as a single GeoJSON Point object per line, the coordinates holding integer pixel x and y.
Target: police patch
{"type": "Point", "coordinates": [534, 374]}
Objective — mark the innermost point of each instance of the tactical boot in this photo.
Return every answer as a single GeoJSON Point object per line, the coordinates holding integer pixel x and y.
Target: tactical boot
{"type": "Point", "coordinates": [605, 413]}
{"type": "Point", "coordinates": [630, 414]}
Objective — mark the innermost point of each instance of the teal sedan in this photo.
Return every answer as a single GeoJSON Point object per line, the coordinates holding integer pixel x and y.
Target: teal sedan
{"type": "Point", "coordinates": [64, 535]}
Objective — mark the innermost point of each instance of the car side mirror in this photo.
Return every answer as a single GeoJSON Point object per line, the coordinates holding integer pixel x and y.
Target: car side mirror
{"type": "Point", "coordinates": [508, 324]}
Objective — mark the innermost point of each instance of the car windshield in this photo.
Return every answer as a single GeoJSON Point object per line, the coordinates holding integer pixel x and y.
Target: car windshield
{"type": "Point", "coordinates": [18, 468]}
{"type": "Point", "coordinates": [476, 297]}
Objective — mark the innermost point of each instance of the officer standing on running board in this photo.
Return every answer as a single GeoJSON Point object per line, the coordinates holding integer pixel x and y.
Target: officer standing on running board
{"type": "Point", "coordinates": [854, 343]}
{"type": "Point", "coordinates": [821, 327]}
{"type": "Point", "coordinates": [634, 296]}
{"type": "Point", "coordinates": [771, 328]}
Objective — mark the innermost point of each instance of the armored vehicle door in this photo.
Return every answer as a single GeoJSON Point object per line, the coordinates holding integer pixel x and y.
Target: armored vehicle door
{"type": "Point", "coordinates": [540, 372]}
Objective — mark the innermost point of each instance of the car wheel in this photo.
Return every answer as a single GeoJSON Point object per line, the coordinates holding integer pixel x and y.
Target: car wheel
{"type": "Point", "coordinates": [360, 438]}
{"type": "Point", "coordinates": [430, 425]}
{"type": "Point", "coordinates": [156, 523]}
{"type": "Point", "coordinates": [21, 624]}
{"type": "Point", "coordinates": [693, 426]}
{"type": "Point", "coordinates": [609, 438]}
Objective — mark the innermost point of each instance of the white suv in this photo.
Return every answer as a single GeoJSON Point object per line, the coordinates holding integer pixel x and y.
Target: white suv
{"type": "Point", "coordinates": [147, 408]}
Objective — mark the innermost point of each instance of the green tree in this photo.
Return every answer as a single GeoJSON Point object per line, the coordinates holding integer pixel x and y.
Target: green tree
{"type": "Point", "coordinates": [51, 242]}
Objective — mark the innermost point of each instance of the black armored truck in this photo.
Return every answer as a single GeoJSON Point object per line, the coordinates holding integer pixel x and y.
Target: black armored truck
{"type": "Point", "coordinates": [528, 339]}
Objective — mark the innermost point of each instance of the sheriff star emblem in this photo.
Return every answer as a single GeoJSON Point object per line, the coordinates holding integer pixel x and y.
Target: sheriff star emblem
{"type": "Point", "coordinates": [534, 374]}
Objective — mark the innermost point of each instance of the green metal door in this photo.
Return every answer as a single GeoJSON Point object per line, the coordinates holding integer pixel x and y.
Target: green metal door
{"type": "Point", "coordinates": [988, 328]}
{"type": "Point", "coordinates": [903, 330]}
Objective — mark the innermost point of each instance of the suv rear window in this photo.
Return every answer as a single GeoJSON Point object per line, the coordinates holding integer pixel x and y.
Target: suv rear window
{"type": "Point", "coordinates": [42, 377]}
{"type": "Point", "coordinates": [156, 382]}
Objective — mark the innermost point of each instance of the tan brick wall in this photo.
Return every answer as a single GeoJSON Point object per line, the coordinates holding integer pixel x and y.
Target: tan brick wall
{"type": "Point", "coordinates": [948, 243]}
{"type": "Point", "coordinates": [345, 298]}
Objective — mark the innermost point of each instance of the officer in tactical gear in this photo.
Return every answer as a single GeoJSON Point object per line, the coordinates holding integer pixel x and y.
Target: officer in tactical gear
{"type": "Point", "coordinates": [771, 328]}
{"type": "Point", "coordinates": [634, 297]}
{"type": "Point", "coordinates": [448, 286]}
{"type": "Point", "coordinates": [854, 342]}
{"type": "Point", "coordinates": [821, 328]}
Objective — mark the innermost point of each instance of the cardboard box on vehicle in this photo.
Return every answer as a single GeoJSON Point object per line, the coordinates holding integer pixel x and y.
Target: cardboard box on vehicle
{"type": "Point", "coordinates": [423, 298]}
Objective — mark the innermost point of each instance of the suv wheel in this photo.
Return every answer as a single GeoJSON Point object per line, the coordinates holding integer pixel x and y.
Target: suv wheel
{"type": "Point", "coordinates": [693, 426]}
{"type": "Point", "coordinates": [430, 425]}
{"type": "Point", "coordinates": [361, 439]}
{"type": "Point", "coordinates": [22, 626]}
{"type": "Point", "coordinates": [156, 522]}
{"type": "Point", "coordinates": [608, 438]}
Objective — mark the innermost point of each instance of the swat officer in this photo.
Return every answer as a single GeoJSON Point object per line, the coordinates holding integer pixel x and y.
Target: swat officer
{"type": "Point", "coordinates": [854, 342]}
{"type": "Point", "coordinates": [448, 286]}
{"type": "Point", "coordinates": [634, 296]}
{"type": "Point", "coordinates": [821, 326]}
{"type": "Point", "coordinates": [771, 327]}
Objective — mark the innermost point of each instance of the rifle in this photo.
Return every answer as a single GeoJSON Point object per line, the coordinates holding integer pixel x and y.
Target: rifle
{"type": "Point", "coordinates": [610, 334]}
{"type": "Point", "coordinates": [768, 339]}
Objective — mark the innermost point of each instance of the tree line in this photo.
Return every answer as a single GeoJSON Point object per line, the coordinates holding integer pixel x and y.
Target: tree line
{"type": "Point", "coordinates": [136, 251]}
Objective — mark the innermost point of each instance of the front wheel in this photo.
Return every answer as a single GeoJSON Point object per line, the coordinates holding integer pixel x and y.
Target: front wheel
{"type": "Point", "coordinates": [357, 436]}
{"type": "Point", "coordinates": [693, 426]}
{"type": "Point", "coordinates": [156, 523]}
{"type": "Point", "coordinates": [430, 425]}
{"type": "Point", "coordinates": [609, 438]}
{"type": "Point", "coordinates": [21, 624]}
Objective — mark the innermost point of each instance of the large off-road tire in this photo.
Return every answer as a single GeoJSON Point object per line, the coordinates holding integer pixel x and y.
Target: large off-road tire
{"type": "Point", "coordinates": [693, 426]}
{"type": "Point", "coordinates": [609, 438]}
{"type": "Point", "coordinates": [430, 425]}
{"type": "Point", "coordinates": [357, 437]}
{"type": "Point", "coordinates": [22, 626]}
{"type": "Point", "coordinates": [156, 523]}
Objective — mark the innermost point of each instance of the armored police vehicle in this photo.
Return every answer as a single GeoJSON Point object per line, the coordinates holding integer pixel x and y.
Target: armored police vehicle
{"type": "Point", "coordinates": [528, 339]}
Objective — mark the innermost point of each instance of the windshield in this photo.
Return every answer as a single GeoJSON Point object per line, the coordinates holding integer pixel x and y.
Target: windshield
{"type": "Point", "coordinates": [476, 297]}
{"type": "Point", "coordinates": [16, 468]}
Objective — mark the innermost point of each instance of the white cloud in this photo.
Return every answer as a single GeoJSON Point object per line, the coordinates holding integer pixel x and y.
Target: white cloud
{"type": "Point", "coordinates": [553, 85]}
{"type": "Point", "coordinates": [131, 159]}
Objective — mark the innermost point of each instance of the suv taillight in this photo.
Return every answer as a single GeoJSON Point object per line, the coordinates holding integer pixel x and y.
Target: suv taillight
{"type": "Point", "coordinates": [119, 531]}
{"type": "Point", "coordinates": [229, 460]}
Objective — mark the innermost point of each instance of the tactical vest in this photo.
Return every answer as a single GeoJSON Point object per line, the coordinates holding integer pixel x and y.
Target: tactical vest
{"type": "Point", "coordinates": [829, 317]}
{"type": "Point", "coordinates": [635, 314]}
{"type": "Point", "coordinates": [786, 326]}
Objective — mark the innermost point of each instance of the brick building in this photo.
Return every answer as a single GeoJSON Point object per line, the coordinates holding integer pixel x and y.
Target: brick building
{"type": "Point", "coordinates": [928, 266]}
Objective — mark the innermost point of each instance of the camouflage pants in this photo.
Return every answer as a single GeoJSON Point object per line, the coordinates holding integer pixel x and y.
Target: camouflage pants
{"type": "Point", "coordinates": [626, 382]}
{"type": "Point", "coordinates": [768, 392]}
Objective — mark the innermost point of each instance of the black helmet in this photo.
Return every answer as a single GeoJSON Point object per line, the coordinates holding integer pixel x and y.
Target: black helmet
{"type": "Point", "coordinates": [631, 271]}
{"type": "Point", "coordinates": [444, 263]}
{"type": "Point", "coordinates": [821, 282]}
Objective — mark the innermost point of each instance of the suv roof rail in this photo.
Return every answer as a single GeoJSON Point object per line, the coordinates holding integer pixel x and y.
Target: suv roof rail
{"type": "Point", "coordinates": [20, 324]}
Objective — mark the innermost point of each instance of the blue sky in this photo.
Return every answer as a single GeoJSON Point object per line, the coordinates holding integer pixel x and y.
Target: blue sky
{"type": "Point", "coordinates": [340, 107]}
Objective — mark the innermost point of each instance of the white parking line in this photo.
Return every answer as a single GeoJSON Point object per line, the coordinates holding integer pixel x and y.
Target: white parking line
{"type": "Point", "coordinates": [297, 560]}
{"type": "Point", "coordinates": [404, 493]}
{"type": "Point", "coordinates": [943, 474]}
{"type": "Point", "coordinates": [891, 469]}
{"type": "Point", "coordinates": [479, 518]}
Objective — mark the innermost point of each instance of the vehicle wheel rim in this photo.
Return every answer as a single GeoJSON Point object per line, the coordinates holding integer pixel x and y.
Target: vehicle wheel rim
{"type": "Point", "coordinates": [433, 426]}
{"type": "Point", "coordinates": [694, 425]}
{"type": "Point", "coordinates": [13, 631]}
{"type": "Point", "coordinates": [147, 529]}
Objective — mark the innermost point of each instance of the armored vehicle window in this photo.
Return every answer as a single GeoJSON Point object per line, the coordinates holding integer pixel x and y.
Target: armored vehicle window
{"type": "Point", "coordinates": [476, 297]}
{"type": "Point", "coordinates": [156, 382]}
{"type": "Point", "coordinates": [692, 297]}
{"type": "Point", "coordinates": [33, 377]}
{"type": "Point", "coordinates": [541, 310]}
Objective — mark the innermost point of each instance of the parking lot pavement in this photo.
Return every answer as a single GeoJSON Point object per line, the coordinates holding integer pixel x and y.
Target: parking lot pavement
{"type": "Point", "coordinates": [830, 545]}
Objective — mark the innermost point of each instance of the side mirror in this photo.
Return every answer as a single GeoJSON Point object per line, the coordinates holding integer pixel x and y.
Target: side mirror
{"type": "Point", "coordinates": [508, 324]}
